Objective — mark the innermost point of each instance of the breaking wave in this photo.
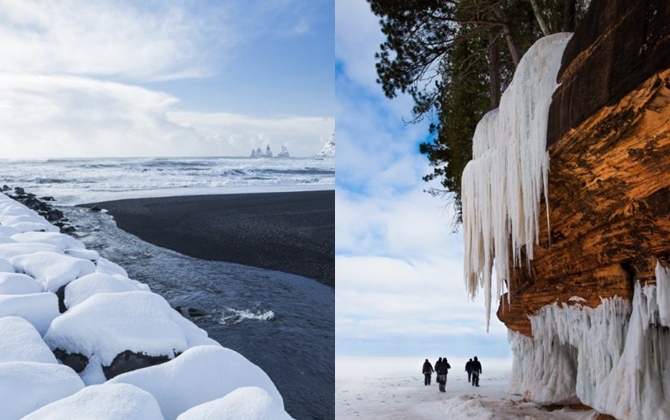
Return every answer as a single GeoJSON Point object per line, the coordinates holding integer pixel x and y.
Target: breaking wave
{"type": "Point", "coordinates": [234, 316]}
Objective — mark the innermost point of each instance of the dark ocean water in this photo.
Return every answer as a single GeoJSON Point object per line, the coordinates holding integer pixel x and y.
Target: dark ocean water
{"type": "Point", "coordinates": [281, 322]}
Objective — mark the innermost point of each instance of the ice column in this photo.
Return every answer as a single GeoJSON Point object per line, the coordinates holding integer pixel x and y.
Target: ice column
{"type": "Point", "coordinates": [614, 358]}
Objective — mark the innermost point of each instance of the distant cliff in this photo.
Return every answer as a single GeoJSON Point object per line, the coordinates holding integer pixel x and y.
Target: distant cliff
{"type": "Point", "coordinates": [328, 148]}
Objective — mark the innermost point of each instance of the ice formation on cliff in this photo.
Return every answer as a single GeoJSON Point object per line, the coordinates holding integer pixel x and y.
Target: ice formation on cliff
{"type": "Point", "coordinates": [614, 358]}
{"type": "Point", "coordinates": [503, 183]}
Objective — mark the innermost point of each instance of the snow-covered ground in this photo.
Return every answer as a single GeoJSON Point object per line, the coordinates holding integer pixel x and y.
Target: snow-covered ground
{"type": "Point", "coordinates": [392, 388]}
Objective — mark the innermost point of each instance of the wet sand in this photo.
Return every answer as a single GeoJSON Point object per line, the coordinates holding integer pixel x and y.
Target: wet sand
{"type": "Point", "coordinates": [293, 232]}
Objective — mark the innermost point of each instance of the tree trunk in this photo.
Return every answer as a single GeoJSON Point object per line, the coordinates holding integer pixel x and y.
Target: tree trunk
{"type": "Point", "coordinates": [540, 19]}
{"type": "Point", "coordinates": [512, 44]}
{"type": "Point", "coordinates": [494, 70]}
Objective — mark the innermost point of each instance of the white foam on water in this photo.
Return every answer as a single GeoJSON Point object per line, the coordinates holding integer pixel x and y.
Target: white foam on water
{"type": "Point", "coordinates": [234, 316]}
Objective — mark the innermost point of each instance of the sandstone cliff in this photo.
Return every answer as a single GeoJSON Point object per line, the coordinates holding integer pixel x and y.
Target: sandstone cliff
{"type": "Point", "coordinates": [609, 147]}
{"type": "Point", "coordinates": [588, 306]}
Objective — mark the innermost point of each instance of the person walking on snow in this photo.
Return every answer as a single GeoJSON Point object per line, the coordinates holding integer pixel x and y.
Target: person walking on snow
{"type": "Point", "coordinates": [476, 369]}
{"type": "Point", "coordinates": [468, 368]}
{"type": "Point", "coordinates": [427, 372]}
{"type": "Point", "coordinates": [442, 370]}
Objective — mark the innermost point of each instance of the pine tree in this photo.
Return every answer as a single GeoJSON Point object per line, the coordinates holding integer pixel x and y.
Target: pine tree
{"type": "Point", "coordinates": [455, 57]}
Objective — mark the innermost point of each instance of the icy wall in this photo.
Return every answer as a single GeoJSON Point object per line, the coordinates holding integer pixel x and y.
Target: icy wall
{"type": "Point", "coordinates": [614, 358]}
{"type": "Point", "coordinates": [507, 176]}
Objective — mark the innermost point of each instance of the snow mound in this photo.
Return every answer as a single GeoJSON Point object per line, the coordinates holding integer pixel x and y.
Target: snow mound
{"type": "Point", "coordinates": [247, 403]}
{"type": "Point", "coordinates": [18, 284]}
{"type": "Point", "coordinates": [107, 324]}
{"type": "Point", "coordinates": [53, 270]}
{"type": "Point", "coordinates": [26, 221]}
{"type": "Point", "coordinates": [7, 232]}
{"type": "Point", "coordinates": [103, 265]}
{"type": "Point", "coordinates": [83, 253]}
{"type": "Point", "coordinates": [221, 369]}
{"type": "Point", "coordinates": [15, 249]}
{"type": "Point", "coordinates": [503, 183]}
{"type": "Point", "coordinates": [84, 287]}
{"type": "Point", "coordinates": [53, 238]}
{"type": "Point", "coordinates": [27, 386]}
{"type": "Point", "coordinates": [22, 343]}
{"type": "Point", "coordinates": [37, 308]}
{"type": "Point", "coordinates": [102, 402]}
{"type": "Point", "coordinates": [6, 266]}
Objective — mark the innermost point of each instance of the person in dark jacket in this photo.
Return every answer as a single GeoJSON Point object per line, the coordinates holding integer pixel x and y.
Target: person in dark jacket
{"type": "Point", "coordinates": [437, 365]}
{"type": "Point", "coordinates": [427, 372]}
{"type": "Point", "coordinates": [468, 368]}
{"type": "Point", "coordinates": [442, 370]}
{"type": "Point", "coordinates": [476, 369]}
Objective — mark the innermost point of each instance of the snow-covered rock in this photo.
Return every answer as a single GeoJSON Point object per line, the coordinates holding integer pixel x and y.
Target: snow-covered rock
{"type": "Point", "coordinates": [21, 342]}
{"type": "Point", "coordinates": [27, 386]}
{"type": "Point", "coordinates": [247, 403]}
{"type": "Point", "coordinates": [15, 249]}
{"type": "Point", "coordinates": [37, 308]}
{"type": "Point", "coordinates": [103, 265]}
{"type": "Point", "coordinates": [86, 254]}
{"type": "Point", "coordinates": [52, 269]}
{"type": "Point", "coordinates": [18, 284]}
{"type": "Point", "coordinates": [113, 325]}
{"type": "Point", "coordinates": [221, 369]}
{"type": "Point", "coordinates": [107, 324]}
{"type": "Point", "coordinates": [6, 266]}
{"type": "Point", "coordinates": [58, 239]}
{"type": "Point", "coordinates": [102, 402]}
{"type": "Point", "coordinates": [84, 287]}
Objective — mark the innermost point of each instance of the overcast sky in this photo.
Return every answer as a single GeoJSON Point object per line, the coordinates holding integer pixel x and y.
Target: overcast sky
{"type": "Point", "coordinates": [165, 78]}
{"type": "Point", "coordinates": [400, 288]}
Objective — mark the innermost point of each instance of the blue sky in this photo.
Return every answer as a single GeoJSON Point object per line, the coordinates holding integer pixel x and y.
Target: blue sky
{"type": "Point", "coordinates": [400, 288]}
{"type": "Point", "coordinates": [174, 77]}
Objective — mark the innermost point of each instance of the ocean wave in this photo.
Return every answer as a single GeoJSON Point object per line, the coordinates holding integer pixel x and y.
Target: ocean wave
{"type": "Point", "coordinates": [85, 180]}
{"type": "Point", "coordinates": [233, 316]}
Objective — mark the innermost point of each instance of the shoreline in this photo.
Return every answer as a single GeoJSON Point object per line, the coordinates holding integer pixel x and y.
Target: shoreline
{"type": "Point", "coordinates": [292, 232]}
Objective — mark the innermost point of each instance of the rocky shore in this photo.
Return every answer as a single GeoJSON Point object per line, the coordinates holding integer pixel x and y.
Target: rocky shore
{"type": "Point", "coordinates": [78, 335]}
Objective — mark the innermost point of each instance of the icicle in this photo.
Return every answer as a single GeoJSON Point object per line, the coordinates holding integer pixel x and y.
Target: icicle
{"type": "Point", "coordinates": [503, 184]}
{"type": "Point", "coordinates": [663, 294]}
{"type": "Point", "coordinates": [613, 357]}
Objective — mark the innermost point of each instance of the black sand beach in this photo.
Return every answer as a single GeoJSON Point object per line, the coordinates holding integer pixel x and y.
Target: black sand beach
{"type": "Point", "coordinates": [293, 232]}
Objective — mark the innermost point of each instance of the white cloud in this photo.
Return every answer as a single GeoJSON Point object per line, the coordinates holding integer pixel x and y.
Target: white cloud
{"type": "Point", "coordinates": [302, 136]}
{"type": "Point", "coordinates": [122, 39]}
{"type": "Point", "coordinates": [400, 287]}
{"type": "Point", "coordinates": [357, 39]}
{"type": "Point", "coordinates": [400, 272]}
{"type": "Point", "coordinates": [66, 116]}
{"type": "Point", "coordinates": [381, 297]}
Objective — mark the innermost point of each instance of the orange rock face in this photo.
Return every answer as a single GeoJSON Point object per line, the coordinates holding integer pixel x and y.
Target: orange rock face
{"type": "Point", "coordinates": [609, 180]}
